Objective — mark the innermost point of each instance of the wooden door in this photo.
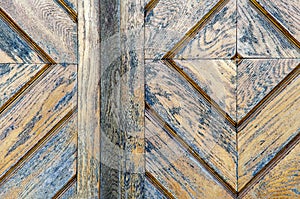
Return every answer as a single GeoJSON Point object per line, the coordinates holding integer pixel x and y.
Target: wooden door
{"type": "Point", "coordinates": [149, 99]}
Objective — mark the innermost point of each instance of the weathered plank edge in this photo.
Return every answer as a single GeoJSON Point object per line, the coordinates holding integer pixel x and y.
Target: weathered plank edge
{"type": "Point", "coordinates": [88, 164]}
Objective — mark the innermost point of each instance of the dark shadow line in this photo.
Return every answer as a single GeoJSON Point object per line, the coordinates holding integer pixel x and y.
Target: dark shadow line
{"type": "Point", "coordinates": [150, 6]}
{"type": "Point", "coordinates": [154, 117]}
{"type": "Point", "coordinates": [269, 97]}
{"type": "Point", "coordinates": [42, 54]}
{"type": "Point", "coordinates": [41, 143]}
{"type": "Point", "coordinates": [205, 96]}
{"type": "Point", "coordinates": [72, 14]}
{"type": "Point", "coordinates": [65, 188]}
{"type": "Point", "coordinates": [269, 166]}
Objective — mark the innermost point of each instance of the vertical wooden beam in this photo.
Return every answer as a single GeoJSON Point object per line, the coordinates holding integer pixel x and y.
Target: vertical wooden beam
{"type": "Point", "coordinates": [89, 100]}
{"type": "Point", "coordinates": [122, 98]}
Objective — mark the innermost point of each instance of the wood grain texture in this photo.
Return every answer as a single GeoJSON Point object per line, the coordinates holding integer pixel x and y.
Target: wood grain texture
{"type": "Point", "coordinates": [48, 169]}
{"type": "Point", "coordinates": [257, 78]}
{"type": "Point", "coordinates": [13, 77]}
{"type": "Point", "coordinates": [88, 183]}
{"type": "Point", "coordinates": [200, 125]}
{"type": "Point", "coordinates": [35, 113]}
{"type": "Point", "coordinates": [14, 49]}
{"type": "Point", "coordinates": [217, 39]}
{"type": "Point", "coordinates": [258, 37]}
{"type": "Point", "coordinates": [217, 78]}
{"type": "Point", "coordinates": [176, 169]}
{"type": "Point", "coordinates": [282, 181]}
{"type": "Point", "coordinates": [48, 25]}
{"type": "Point", "coordinates": [169, 21]}
{"type": "Point", "coordinates": [152, 192]}
{"type": "Point", "coordinates": [285, 12]}
{"type": "Point", "coordinates": [268, 132]}
{"type": "Point", "coordinates": [70, 193]}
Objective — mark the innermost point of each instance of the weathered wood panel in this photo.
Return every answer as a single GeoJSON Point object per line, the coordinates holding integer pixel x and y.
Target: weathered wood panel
{"type": "Point", "coordinates": [152, 192]}
{"type": "Point", "coordinates": [258, 37]}
{"type": "Point", "coordinates": [176, 169]}
{"type": "Point", "coordinates": [282, 181]}
{"type": "Point", "coordinates": [258, 78]}
{"type": "Point", "coordinates": [71, 192]}
{"type": "Point", "coordinates": [48, 25]}
{"type": "Point", "coordinates": [169, 21]}
{"type": "Point", "coordinates": [88, 184]}
{"type": "Point", "coordinates": [14, 49]}
{"type": "Point", "coordinates": [193, 118]}
{"type": "Point", "coordinates": [286, 12]}
{"type": "Point", "coordinates": [36, 112]}
{"type": "Point", "coordinates": [47, 169]}
{"type": "Point", "coordinates": [269, 132]}
{"type": "Point", "coordinates": [217, 78]}
{"type": "Point", "coordinates": [16, 77]}
{"type": "Point", "coordinates": [217, 39]}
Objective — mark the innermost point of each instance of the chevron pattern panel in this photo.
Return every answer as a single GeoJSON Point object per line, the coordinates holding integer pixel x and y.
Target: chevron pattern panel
{"type": "Point", "coordinates": [222, 99]}
{"type": "Point", "coordinates": [38, 98]}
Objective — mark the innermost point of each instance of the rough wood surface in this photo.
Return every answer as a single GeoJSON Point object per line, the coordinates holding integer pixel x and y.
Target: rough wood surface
{"type": "Point", "coordinates": [200, 125]}
{"type": "Point", "coordinates": [217, 39]}
{"type": "Point", "coordinates": [169, 21]}
{"type": "Point", "coordinates": [269, 132]}
{"type": "Point", "coordinates": [257, 78]}
{"type": "Point", "coordinates": [152, 192]}
{"type": "Point", "coordinates": [217, 78]}
{"type": "Point", "coordinates": [88, 184]}
{"type": "Point", "coordinates": [70, 193]}
{"type": "Point", "coordinates": [35, 113]}
{"type": "Point", "coordinates": [176, 169]}
{"type": "Point", "coordinates": [14, 77]}
{"type": "Point", "coordinates": [282, 181]}
{"type": "Point", "coordinates": [258, 37]}
{"type": "Point", "coordinates": [286, 12]}
{"type": "Point", "coordinates": [48, 25]}
{"type": "Point", "coordinates": [48, 169]}
{"type": "Point", "coordinates": [14, 49]}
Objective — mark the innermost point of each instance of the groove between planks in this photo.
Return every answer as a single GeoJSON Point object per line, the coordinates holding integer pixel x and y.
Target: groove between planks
{"type": "Point", "coordinates": [73, 15]}
{"type": "Point", "coordinates": [44, 56]}
{"type": "Point", "coordinates": [65, 188]}
{"type": "Point", "coordinates": [153, 116]}
{"type": "Point", "coordinates": [38, 145]}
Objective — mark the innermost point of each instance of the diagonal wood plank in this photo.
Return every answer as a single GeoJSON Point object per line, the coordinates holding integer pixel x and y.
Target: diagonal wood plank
{"type": "Point", "coordinates": [25, 122]}
{"type": "Point", "coordinates": [282, 181]}
{"type": "Point", "coordinates": [152, 192]}
{"type": "Point", "coordinates": [176, 169]}
{"type": "Point", "coordinates": [217, 78]}
{"type": "Point", "coordinates": [258, 37]}
{"type": "Point", "coordinates": [217, 39]}
{"type": "Point", "coordinates": [48, 169]}
{"type": "Point", "coordinates": [13, 49]}
{"type": "Point", "coordinates": [257, 78]}
{"type": "Point", "coordinates": [48, 25]}
{"type": "Point", "coordinates": [200, 125]}
{"type": "Point", "coordinates": [169, 21]}
{"type": "Point", "coordinates": [286, 13]}
{"type": "Point", "coordinates": [268, 132]}
{"type": "Point", "coordinates": [15, 77]}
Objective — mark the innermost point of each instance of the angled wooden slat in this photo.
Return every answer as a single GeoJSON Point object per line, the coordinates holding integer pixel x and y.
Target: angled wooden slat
{"type": "Point", "coordinates": [286, 13]}
{"type": "Point", "coordinates": [68, 7]}
{"type": "Point", "coordinates": [70, 193]}
{"type": "Point", "coordinates": [257, 78]}
{"type": "Point", "coordinates": [176, 169]}
{"type": "Point", "coordinates": [48, 25]}
{"type": "Point", "coordinates": [13, 49]}
{"type": "Point", "coordinates": [35, 113]}
{"type": "Point", "coordinates": [48, 170]}
{"type": "Point", "coordinates": [268, 132]}
{"type": "Point", "coordinates": [71, 3]}
{"type": "Point", "coordinates": [168, 23]}
{"type": "Point", "coordinates": [152, 192]}
{"type": "Point", "coordinates": [217, 39]}
{"type": "Point", "coordinates": [217, 78]}
{"type": "Point", "coordinates": [14, 77]}
{"type": "Point", "coordinates": [258, 37]}
{"type": "Point", "coordinates": [282, 181]}
{"type": "Point", "coordinates": [68, 190]}
{"type": "Point", "coordinates": [88, 178]}
{"type": "Point", "coordinates": [195, 120]}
